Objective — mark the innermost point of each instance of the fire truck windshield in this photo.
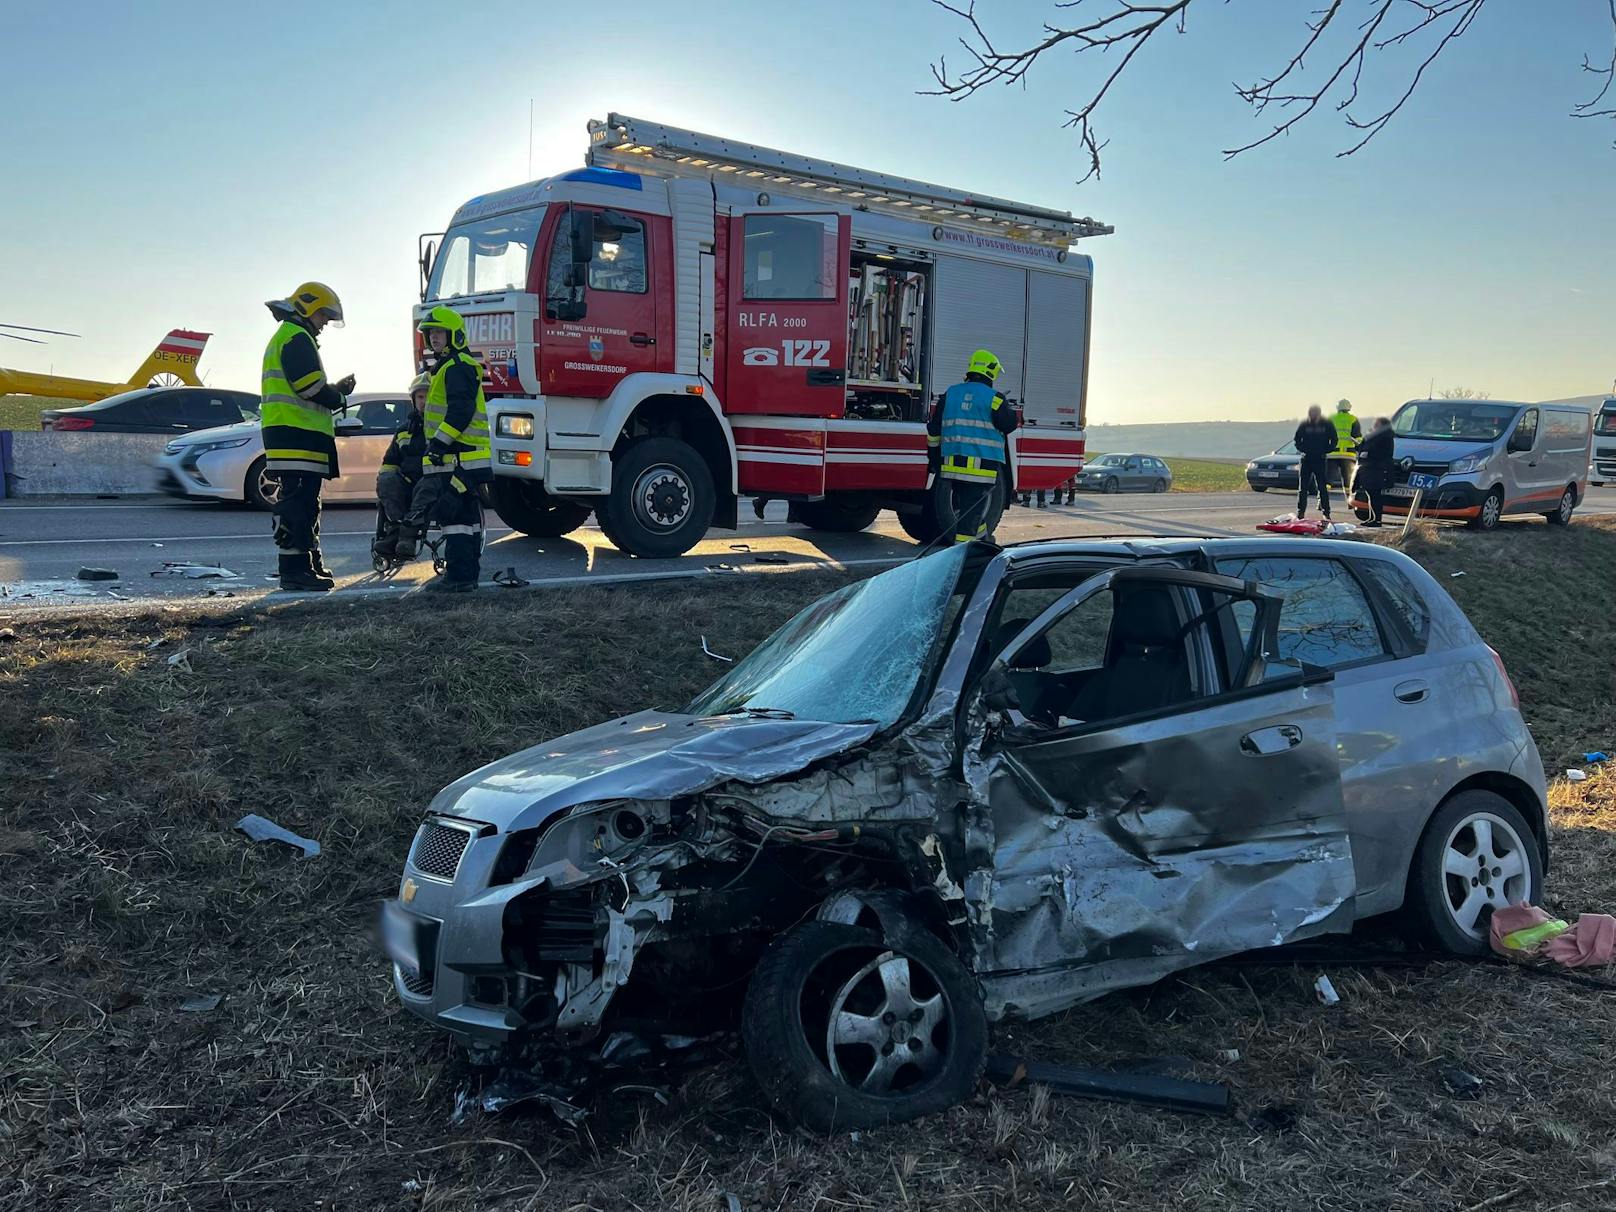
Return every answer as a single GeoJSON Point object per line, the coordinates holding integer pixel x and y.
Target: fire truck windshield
{"type": "Point", "coordinates": [854, 656]}
{"type": "Point", "coordinates": [485, 255]}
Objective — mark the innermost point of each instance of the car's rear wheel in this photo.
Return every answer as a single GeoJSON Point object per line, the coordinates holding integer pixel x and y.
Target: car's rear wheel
{"type": "Point", "coordinates": [1492, 511]}
{"type": "Point", "coordinates": [525, 506]}
{"type": "Point", "coordinates": [846, 1030]}
{"type": "Point", "coordinates": [262, 487]}
{"type": "Point", "coordinates": [1159, 486]}
{"type": "Point", "coordinates": [1477, 854]}
{"type": "Point", "coordinates": [1561, 516]}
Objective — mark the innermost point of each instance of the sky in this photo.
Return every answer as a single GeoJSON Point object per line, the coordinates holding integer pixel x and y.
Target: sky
{"type": "Point", "coordinates": [176, 164]}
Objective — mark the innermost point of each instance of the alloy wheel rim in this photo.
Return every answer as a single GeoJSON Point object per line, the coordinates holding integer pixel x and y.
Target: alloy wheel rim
{"type": "Point", "coordinates": [269, 487]}
{"type": "Point", "coordinates": [1490, 510]}
{"type": "Point", "coordinates": [1566, 505]}
{"type": "Point", "coordinates": [1484, 865]}
{"type": "Point", "coordinates": [882, 1034]}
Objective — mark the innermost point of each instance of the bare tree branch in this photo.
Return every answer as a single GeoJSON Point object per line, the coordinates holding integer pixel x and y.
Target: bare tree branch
{"type": "Point", "coordinates": [1386, 26]}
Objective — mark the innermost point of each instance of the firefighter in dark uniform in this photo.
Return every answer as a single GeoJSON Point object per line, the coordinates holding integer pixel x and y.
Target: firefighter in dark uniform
{"type": "Point", "coordinates": [300, 447]}
{"type": "Point", "coordinates": [400, 473]}
{"type": "Point", "coordinates": [968, 430]}
{"type": "Point", "coordinates": [457, 453]}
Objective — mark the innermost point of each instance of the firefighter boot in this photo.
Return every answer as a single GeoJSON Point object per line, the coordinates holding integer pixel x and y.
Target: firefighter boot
{"type": "Point", "coordinates": [320, 571]}
{"type": "Point", "coordinates": [296, 574]}
{"type": "Point", "coordinates": [409, 540]}
{"type": "Point", "coordinates": [386, 542]}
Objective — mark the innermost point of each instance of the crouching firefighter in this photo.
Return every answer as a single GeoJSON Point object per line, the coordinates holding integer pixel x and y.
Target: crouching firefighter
{"type": "Point", "coordinates": [300, 447]}
{"type": "Point", "coordinates": [969, 430]}
{"type": "Point", "coordinates": [400, 473]}
{"type": "Point", "coordinates": [455, 421]}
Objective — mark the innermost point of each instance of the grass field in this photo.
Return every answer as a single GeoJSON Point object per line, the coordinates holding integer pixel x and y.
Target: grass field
{"type": "Point", "coordinates": [1207, 475]}
{"type": "Point", "coordinates": [126, 891]}
{"type": "Point", "coordinates": [22, 412]}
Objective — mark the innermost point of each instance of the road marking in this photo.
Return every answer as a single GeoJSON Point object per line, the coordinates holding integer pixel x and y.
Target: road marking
{"type": "Point", "coordinates": [200, 538]}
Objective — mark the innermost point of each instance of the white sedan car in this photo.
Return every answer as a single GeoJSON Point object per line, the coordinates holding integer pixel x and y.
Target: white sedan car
{"type": "Point", "coordinates": [227, 463]}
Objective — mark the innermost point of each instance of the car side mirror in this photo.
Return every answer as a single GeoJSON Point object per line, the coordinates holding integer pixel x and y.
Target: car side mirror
{"type": "Point", "coordinates": [570, 309]}
{"type": "Point", "coordinates": [348, 425]}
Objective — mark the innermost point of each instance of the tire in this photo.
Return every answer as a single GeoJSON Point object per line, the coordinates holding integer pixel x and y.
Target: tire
{"type": "Point", "coordinates": [1568, 505]}
{"type": "Point", "coordinates": [819, 966]}
{"type": "Point", "coordinates": [1111, 485]}
{"type": "Point", "coordinates": [936, 516]}
{"type": "Point", "coordinates": [525, 506]}
{"type": "Point", "coordinates": [662, 499]}
{"type": "Point", "coordinates": [1492, 511]}
{"type": "Point", "coordinates": [260, 489]}
{"type": "Point", "coordinates": [1433, 889]}
{"type": "Point", "coordinates": [842, 516]}
{"type": "Point", "coordinates": [1159, 486]}
{"type": "Point", "coordinates": [1259, 488]}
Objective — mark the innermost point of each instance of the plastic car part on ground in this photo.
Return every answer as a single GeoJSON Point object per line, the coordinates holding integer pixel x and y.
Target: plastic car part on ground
{"type": "Point", "coordinates": [1111, 1085]}
{"type": "Point", "coordinates": [1520, 932]}
{"type": "Point", "coordinates": [262, 830]}
{"type": "Point", "coordinates": [1289, 523]}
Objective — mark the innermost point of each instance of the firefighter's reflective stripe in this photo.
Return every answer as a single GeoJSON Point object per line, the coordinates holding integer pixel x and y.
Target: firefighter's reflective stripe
{"type": "Point", "coordinates": [472, 444]}
{"type": "Point", "coordinates": [957, 468]}
{"type": "Point", "coordinates": [298, 435]}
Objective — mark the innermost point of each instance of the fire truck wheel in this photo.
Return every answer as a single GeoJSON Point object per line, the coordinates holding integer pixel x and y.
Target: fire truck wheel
{"type": "Point", "coordinates": [525, 506]}
{"type": "Point", "coordinates": [662, 499]}
{"type": "Point", "coordinates": [936, 515]}
{"type": "Point", "coordinates": [842, 517]}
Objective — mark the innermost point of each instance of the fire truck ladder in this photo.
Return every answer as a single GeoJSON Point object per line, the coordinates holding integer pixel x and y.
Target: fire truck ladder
{"type": "Point", "coordinates": [629, 143]}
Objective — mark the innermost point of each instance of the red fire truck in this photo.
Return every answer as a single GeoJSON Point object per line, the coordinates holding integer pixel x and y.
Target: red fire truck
{"type": "Point", "coordinates": [689, 320]}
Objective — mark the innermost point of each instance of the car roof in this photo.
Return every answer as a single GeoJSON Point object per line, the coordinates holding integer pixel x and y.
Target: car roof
{"type": "Point", "coordinates": [365, 397]}
{"type": "Point", "coordinates": [1149, 547]}
{"type": "Point", "coordinates": [140, 392]}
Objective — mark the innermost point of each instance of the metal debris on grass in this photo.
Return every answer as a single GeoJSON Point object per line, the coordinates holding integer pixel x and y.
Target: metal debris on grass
{"type": "Point", "coordinates": [261, 829]}
{"type": "Point", "coordinates": [1326, 991]}
{"type": "Point", "coordinates": [1111, 1085]}
{"type": "Point", "coordinates": [201, 1003]}
{"type": "Point", "coordinates": [180, 660]}
{"type": "Point", "coordinates": [1459, 1082]}
{"type": "Point", "coordinates": [716, 656]}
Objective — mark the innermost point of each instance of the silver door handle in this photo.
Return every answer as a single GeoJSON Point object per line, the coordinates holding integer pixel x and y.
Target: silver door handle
{"type": "Point", "coordinates": [1411, 692]}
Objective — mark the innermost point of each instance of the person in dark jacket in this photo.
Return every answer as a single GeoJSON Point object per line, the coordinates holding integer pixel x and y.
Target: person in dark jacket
{"type": "Point", "coordinates": [1376, 458]}
{"type": "Point", "coordinates": [1315, 440]}
{"type": "Point", "coordinates": [400, 473]}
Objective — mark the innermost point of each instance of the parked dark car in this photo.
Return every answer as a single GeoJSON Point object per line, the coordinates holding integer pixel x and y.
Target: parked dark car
{"type": "Point", "coordinates": [1282, 469]}
{"type": "Point", "coordinates": [156, 410]}
{"type": "Point", "coordinates": [1126, 473]}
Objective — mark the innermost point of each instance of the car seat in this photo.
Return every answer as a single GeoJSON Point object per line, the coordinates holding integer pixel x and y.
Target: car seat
{"type": "Point", "coordinates": [1146, 667]}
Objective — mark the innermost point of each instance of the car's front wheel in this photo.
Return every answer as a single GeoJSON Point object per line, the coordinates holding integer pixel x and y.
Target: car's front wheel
{"type": "Point", "coordinates": [1492, 511]}
{"type": "Point", "coordinates": [1112, 485]}
{"type": "Point", "coordinates": [845, 1030]}
{"type": "Point", "coordinates": [262, 487]}
{"type": "Point", "coordinates": [1477, 854]}
{"type": "Point", "coordinates": [1259, 488]}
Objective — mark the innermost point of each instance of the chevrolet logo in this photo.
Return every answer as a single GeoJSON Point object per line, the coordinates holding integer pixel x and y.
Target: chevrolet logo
{"type": "Point", "coordinates": [409, 891]}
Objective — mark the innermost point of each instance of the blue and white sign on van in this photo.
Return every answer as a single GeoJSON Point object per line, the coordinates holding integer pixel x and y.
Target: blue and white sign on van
{"type": "Point", "coordinates": [597, 349]}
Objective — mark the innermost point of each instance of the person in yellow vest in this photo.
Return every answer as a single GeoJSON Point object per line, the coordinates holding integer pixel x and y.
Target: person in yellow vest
{"type": "Point", "coordinates": [458, 463]}
{"type": "Point", "coordinates": [300, 447]}
{"type": "Point", "coordinates": [1348, 433]}
{"type": "Point", "coordinates": [968, 432]}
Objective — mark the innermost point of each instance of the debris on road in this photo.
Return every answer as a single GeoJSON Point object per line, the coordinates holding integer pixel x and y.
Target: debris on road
{"type": "Point", "coordinates": [513, 1088]}
{"type": "Point", "coordinates": [97, 574]}
{"type": "Point", "coordinates": [1595, 758]}
{"type": "Point", "coordinates": [1169, 1093]}
{"type": "Point", "coordinates": [716, 656]}
{"type": "Point", "coordinates": [1525, 932]}
{"type": "Point", "coordinates": [1229, 1055]}
{"type": "Point", "coordinates": [508, 578]}
{"type": "Point", "coordinates": [1453, 576]}
{"type": "Point", "coordinates": [1575, 776]}
{"type": "Point", "coordinates": [1326, 991]}
{"type": "Point", "coordinates": [8, 635]}
{"type": "Point", "coordinates": [195, 572]}
{"type": "Point", "coordinates": [201, 1003]}
{"type": "Point", "coordinates": [770, 559]}
{"type": "Point", "coordinates": [180, 660]}
{"type": "Point", "coordinates": [262, 830]}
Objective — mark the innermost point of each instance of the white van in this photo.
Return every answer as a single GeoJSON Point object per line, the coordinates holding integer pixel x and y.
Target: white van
{"type": "Point", "coordinates": [1603, 470]}
{"type": "Point", "coordinates": [1480, 461]}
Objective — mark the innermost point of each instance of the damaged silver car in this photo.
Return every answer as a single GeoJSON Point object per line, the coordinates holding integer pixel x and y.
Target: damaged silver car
{"type": "Point", "coordinates": [989, 783]}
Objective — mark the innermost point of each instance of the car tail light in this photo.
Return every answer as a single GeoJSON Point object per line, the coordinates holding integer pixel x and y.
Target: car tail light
{"type": "Point", "coordinates": [73, 423]}
{"type": "Point", "coordinates": [1514, 695]}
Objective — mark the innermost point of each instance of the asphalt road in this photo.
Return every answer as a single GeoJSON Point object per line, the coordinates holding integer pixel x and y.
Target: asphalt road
{"type": "Point", "coordinates": [44, 544]}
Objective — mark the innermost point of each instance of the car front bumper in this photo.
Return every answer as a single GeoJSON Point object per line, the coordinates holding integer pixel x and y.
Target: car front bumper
{"type": "Point", "coordinates": [208, 476]}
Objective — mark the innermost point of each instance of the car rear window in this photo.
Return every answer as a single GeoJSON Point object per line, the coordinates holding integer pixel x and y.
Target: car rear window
{"type": "Point", "coordinates": [1326, 619]}
{"type": "Point", "coordinates": [1403, 598]}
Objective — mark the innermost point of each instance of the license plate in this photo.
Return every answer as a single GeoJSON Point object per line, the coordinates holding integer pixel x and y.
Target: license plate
{"type": "Point", "coordinates": [406, 937]}
{"type": "Point", "coordinates": [1268, 475]}
{"type": "Point", "coordinates": [1419, 480]}
{"type": "Point", "coordinates": [1399, 490]}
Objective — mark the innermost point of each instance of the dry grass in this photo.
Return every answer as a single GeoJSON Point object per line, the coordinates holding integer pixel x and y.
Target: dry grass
{"type": "Point", "coordinates": [126, 891]}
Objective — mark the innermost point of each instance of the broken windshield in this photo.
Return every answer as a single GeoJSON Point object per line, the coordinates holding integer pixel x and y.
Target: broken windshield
{"type": "Point", "coordinates": [855, 655]}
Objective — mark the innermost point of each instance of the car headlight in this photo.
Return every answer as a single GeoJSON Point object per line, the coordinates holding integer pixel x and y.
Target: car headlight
{"type": "Point", "coordinates": [515, 425]}
{"type": "Point", "coordinates": [1252, 466]}
{"type": "Point", "coordinates": [198, 448]}
{"type": "Point", "coordinates": [609, 831]}
{"type": "Point", "coordinates": [1468, 464]}
{"type": "Point", "coordinates": [173, 448]}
